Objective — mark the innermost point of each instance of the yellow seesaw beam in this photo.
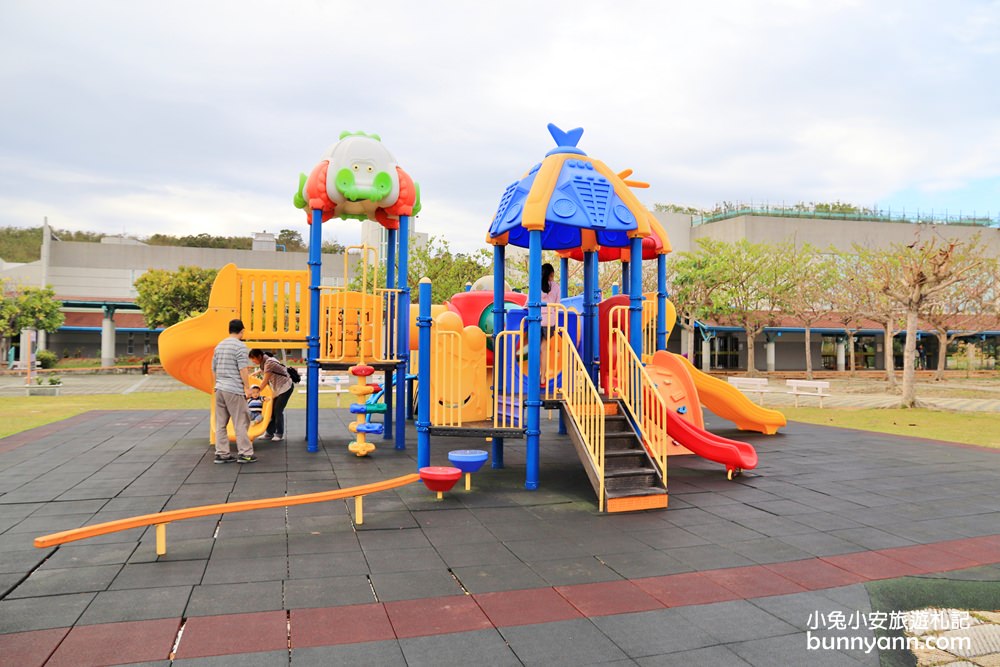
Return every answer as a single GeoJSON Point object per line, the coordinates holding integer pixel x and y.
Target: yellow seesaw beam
{"type": "Point", "coordinates": [161, 519]}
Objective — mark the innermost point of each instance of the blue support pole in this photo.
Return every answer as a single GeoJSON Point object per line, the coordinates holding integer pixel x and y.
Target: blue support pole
{"type": "Point", "coordinates": [499, 365]}
{"type": "Point", "coordinates": [534, 403]}
{"type": "Point", "coordinates": [390, 282]}
{"type": "Point", "coordinates": [312, 351]}
{"type": "Point", "coordinates": [615, 290]}
{"type": "Point", "coordinates": [661, 302]}
{"type": "Point", "coordinates": [589, 344]}
{"type": "Point", "coordinates": [635, 298]}
{"type": "Point", "coordinates": [626, 276]}
{"type": "Point", "coordinates": [403, 326]}
{"type": "Point", "coordinates": [563, 278]}
{"type": "Point", "coordinates": [424, 376]}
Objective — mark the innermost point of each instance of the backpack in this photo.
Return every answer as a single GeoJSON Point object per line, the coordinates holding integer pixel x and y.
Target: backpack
{"type": "Point", "coordinates": [293, 373]}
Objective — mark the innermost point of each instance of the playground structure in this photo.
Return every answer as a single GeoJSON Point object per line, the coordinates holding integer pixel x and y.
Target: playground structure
{"type": "Point", "coordinates": [489, 362]}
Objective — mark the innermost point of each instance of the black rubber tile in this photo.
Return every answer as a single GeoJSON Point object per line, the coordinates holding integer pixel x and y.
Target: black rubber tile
{"type": "Point", "coordinates": [368, 654]}
{"type": "Point", "coordinates": [56, 611]}
{"type": "Point", "coordinates": [152, 575]}
{"type": "Point", "coordinates": [492, 578]}
{"type": "Point", "coordinates": [218, 599]}
{"type": "Point", "coordinates": [653, 632]}
{"type": "Point", "coordinates": [471, 555]}
{"type": "Point", "coordinates": [712, 656]}
{"type": "Point", "coordinates": [482, 647]}
{"type": "Point", "coordinates": [261, 659]}
{"type": "Point", "coordinates": [43, 582]}
{"type": "Point", "coordinates": [404, 560]}
{"type": "Point", "coordinates": [327, 592]}
{"type": "Point", "coordinates": [583, 570]}
{"type": "Point", "coordinates": [136, 605]}
{"type": "Point", "coordinates": [708, 557]}
{"type": "Point", "coordinates": [574, 642]}
{"type": "Point", "coordinates": [639, 564]}
{"type": "Point", "coordinates": [308, 566]}
{"type": "Point", "coordinates": [736, 620]}
{"type": "Point", "coordinates": [245, 570]}
{"type": "Point", "coordinates": [81, 554]}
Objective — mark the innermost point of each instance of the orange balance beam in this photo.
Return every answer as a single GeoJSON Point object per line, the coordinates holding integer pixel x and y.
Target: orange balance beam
{"type": "Point", "coordinates": [161, 518]}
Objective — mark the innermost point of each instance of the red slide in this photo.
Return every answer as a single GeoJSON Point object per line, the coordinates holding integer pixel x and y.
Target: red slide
{"type": "Point", "coordinates": [734, 455]}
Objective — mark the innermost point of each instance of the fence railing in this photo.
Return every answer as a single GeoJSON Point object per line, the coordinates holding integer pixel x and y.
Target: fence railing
{"type": "Point", "coordinates": [271, 304]}
{"type": "Point", "coordinates": [358, 325]}
{"type": "Point", "coordinates": [586, 409]}
{"type": "Point", "coordinates": [508, 380]}
{"type": "Point", "coordinates": [864, 214]}
{"type": "Point", "coordinates": [446, 351]}
{"type": "Point", "coordinates": [642, 400]}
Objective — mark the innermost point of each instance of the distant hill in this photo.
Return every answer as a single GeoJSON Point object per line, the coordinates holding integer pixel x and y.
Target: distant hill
{"type": "Point", "coordinates": [24, 244]}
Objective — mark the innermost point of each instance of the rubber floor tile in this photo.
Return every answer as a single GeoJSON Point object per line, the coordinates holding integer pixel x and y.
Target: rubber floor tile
{"type": "Point", "coordinates": [931, 558]}
{"type": "Point", "coordinates": [814, 573]}
{"type": "Point", "coordinates": [117, 643]}
{"type": "Point", "coordinates": [28, 649]}
{"type": "Point", "coordinates": [607, 598]}
{"type": "Point", "coordinates": [984, 550]}
{"type": "Point", "coordinates": [233, 633]}
{"type": "Point", "coordinates": [872, 565]}
{"type": "Point", "coordinates": [524, 607]}
{"type": "Point", "coordinates": [678, 590]}
{"type": "Point", "coordinates": [328, 626]}
{"type": "Point", "coordinates": [754, 582]}
{"type": "Point", "coordinates": [436, 616]}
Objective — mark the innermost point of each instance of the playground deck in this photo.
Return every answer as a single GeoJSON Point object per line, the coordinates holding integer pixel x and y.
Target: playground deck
{"type": "Point", "coordinates": [728, 575]}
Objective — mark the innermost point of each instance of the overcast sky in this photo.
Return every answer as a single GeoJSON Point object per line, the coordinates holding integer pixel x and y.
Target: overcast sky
{"type": "Point", "coordinates": [186, 117]}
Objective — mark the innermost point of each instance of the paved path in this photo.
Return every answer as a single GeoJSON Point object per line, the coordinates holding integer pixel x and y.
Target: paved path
{"type": "Point", "coordinates": [729, 575]}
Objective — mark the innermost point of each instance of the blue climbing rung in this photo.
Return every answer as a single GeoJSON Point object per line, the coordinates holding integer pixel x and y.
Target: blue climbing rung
{"type": "Point", "coordinates": [370, 428]}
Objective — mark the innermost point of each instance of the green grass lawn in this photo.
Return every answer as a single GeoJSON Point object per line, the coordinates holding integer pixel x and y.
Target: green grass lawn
{"type": "Point", "coordinates": [27, 412]}
{"type": "Point", "coordinates": [972, 428]}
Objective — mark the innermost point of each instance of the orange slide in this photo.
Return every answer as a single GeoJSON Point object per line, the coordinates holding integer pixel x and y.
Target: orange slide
{"type": "Point", "coordinates": [730, 403]}
{"type": "Point", "coordinates": [186, 348]}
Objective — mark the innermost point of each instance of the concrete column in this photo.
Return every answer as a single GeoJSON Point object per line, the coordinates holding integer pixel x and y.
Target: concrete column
{"type": "Point", "coordinates": [108, 338]}
{"type": "Point", "coordinates": [706, 354]}
{"type": "Point", "coordinates": [770, 355]}
{"type": "Point", "coordinates": [26, 352]}
{"type": "Point", "coordinates": [841, 354]}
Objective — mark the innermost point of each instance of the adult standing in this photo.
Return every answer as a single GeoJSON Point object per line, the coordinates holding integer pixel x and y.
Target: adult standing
{"type": "Point", "coordinates": [276, 375]}
{"type": "Point", "coordinates": [231, 368]}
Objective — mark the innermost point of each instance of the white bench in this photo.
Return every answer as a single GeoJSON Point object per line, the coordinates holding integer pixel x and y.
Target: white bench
{"type": "Point", "coordinates": [338, 381]}
{"type": "Point", "coordinates": [747, 385]}
{"type": "Point", "coordinates": [816, 388]}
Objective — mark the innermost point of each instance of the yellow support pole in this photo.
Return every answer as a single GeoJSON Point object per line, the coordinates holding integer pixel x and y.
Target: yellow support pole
{"type": "Point", "coordinates": [359, 510]}
{"type": "Point", "coordinates": [468, 481]}
{"type": "Point", "coordinates": [161, 539]}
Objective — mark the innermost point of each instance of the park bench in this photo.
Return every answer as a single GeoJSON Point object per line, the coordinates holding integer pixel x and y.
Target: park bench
{"type": "Point", "coordinates": [817, 388]}
{"type": "Point", "coordinates": [747, 385]}
{"type": "Point", "coordinates": [329, 383]}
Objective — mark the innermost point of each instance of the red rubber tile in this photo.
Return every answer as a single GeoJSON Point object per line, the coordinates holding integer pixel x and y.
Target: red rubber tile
{"type": "Point", "coordinates": [679, 590]}
{"type": "Point", "coordinates": [436, 616]}
{"type": "Point", "coordinates": [117, 643]}
{"type": "Point", "coordinates": [814, 574]}
{"type": "Point", "coordinates": [349, 624]}
{"type": "Point", "coordinates": [983, 550]}
{"type": "Point", "coordinates": [534, 605]}
{"type": "Point", "coordinates": [754, 581]}
{"type": "Point", "coordinates": [233, 633]}
{"type": "Point", "coordinates": [872, 565]}
{"type": "Point", "coordinates": [27, 649]}
{"type": "Point", "coordinates": [609, 597]}
{"type": "Point", "coordinates": [930, 558]}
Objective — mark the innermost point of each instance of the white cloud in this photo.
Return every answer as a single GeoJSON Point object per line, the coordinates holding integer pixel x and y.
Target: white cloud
{"type": "Point", "coordinates": [199, 116]}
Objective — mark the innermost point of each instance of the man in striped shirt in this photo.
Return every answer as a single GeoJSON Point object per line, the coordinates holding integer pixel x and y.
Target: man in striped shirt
{"type": "Point", "coordinates": [231, 368]}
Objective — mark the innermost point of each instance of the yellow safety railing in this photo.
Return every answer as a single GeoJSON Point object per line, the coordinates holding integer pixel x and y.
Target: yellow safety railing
{"type": "Point", "coordinates": [271, 306]}
{"type": "Point", "coordinates": [508, 380]}
{"type": "Point", "coordinates": [555, 318]}
{"type": "Point", "coordinates": [446, 349]}
{"type": "Point", "coordinates": [618, 318]}
{"type": "Point", "coordinates": [586, 409]}
{"type": "Point", "coordinates": [161, 519]}
{"type": "Point", "coordinates": [635, 388]}
{"type": "Point", "coordinates": [361, 325]}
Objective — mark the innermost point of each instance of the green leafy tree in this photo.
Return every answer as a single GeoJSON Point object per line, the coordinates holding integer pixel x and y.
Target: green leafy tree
{"type": "Point", "coordinates": [168, 297]}
{"type": "Point", "coordinates": [333, 247]}
{"type": "Point", "coordinates": [911, 276]}
{"type": "Point", "coordinates": [812, 276]}
{"type": "Point", "coordinates": [448, 271]}
{"type": "Point", "coordinates": [38, 308]}
{"type": "Point", "coordinates": [755, 283]}
{"type": "Point", "coordinates": [292, 241]}
{"type": "Point", "coordinates": [695, 276]}
{"type": "Point", "coordinates": [963, 310]}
